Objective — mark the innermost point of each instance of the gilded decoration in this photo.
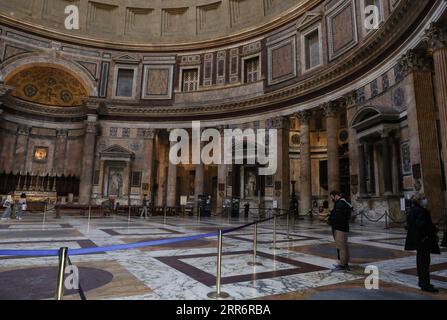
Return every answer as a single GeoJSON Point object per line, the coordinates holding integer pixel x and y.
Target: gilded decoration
{"type": "Point", "coordinates": [47, 86]}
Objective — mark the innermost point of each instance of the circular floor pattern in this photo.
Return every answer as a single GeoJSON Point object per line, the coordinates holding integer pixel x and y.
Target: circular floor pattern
{"type": "Point", "coordinates": [40, 283]}
{"type": "Point", "coordinates": [363, 294]}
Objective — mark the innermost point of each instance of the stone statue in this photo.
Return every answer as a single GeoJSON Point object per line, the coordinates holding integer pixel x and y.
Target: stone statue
{"type": "Point", "coordinates": [116, 183]}
{"type": "Point", "coordinates": [250, 185]}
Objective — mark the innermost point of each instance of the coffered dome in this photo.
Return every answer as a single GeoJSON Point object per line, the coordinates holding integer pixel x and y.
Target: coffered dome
{"type": "Point", "coordinates": [155, 22]}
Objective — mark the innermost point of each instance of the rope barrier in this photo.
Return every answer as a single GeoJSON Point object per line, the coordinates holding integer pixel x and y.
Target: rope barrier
{"type": "Point", "coordinates": [135, 245]}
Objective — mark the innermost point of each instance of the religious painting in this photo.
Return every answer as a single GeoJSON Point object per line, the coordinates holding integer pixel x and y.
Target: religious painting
{"type": "Point", "coordinates": [40, 154]}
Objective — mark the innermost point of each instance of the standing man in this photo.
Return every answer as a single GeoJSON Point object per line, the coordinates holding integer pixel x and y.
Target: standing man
{"type": "Point", "coordinates": [144, 208]}
{"type": "Point", "coordinates": [422, 237]}
{"type": "Point", "coordinates": [339, 221]}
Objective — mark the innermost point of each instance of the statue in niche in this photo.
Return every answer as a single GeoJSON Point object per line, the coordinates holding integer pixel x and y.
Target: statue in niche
{"type": "Point", "coordinates": [250, 184]}
{"type": "Point", "coordinates": [115, 182]}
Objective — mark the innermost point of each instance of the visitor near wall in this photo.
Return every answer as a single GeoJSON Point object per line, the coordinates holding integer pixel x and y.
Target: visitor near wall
{"type": "Point", "coordinates": [422, 237]}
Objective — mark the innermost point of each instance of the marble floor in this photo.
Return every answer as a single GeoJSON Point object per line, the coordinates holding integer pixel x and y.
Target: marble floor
{"type": "Point", "coordinates": [298, 269]}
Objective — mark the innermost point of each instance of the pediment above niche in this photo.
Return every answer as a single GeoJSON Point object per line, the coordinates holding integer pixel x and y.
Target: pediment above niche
{"type": "Point", "coordinates": [127, 59]}
{"type": "Point", "coordinates": [117, 152]}
{"type": "Point", "coordinates": [309, 18]}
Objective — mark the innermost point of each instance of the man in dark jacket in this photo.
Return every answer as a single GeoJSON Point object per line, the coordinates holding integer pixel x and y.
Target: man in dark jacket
{"type": "Point", "coordinates": [339, 221]}
{"type": "Point", "coordinates": [422, 237]}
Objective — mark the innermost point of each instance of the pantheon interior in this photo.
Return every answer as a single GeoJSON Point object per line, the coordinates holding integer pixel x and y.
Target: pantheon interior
{"type": "Point", "coordinates": [89, 97]}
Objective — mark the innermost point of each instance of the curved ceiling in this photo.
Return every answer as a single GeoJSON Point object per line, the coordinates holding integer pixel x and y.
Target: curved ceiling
{"type": "Point", "coordinates": [48, 86]}
{"type": "Point", "coordinates": [156, 22]}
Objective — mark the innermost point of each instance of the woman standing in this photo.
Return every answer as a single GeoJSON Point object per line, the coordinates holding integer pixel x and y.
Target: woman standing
{"type": "Point", "coordinates": [8, 204]}
{"type": "Point", "coordinates": [422, 237]}
{"type": "Point", "coordinates": [21, 206]}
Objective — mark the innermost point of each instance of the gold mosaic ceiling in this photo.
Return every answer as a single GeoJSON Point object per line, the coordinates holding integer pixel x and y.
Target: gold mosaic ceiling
{"type": "Point", "coordinates": [48, 86]}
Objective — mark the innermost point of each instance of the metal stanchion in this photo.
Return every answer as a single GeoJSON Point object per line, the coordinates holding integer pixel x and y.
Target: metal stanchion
{"type": "Point", "coordinates": [255, 241]}
{"type": "Point", "coordinates": [386, 220]}
{"type": "Point", "coordinates": [274, 233]}
{"type": "Point", "coordinates": [198, 214]}
{"type": "Point", "coordinates": [129, 213]}
{"type": "Point", "coordinates": [60, 273]}
{"type": "Point", "coordinates": [218, 294]}
{"type": "Point", "coordinates": [361, 218]}
{"type": "Point", "coordinates": [44, 215]}
{"type": "Point", "coordinates": [164, 215]}
{"type": "Point", "coordinates": [89, 216]}
{"type": "Point", "coordinates": [288, 225]}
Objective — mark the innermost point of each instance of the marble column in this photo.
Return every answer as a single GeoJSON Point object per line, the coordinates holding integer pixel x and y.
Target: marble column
{"type": "Point", "coordinates": [102, 168]}
{"type": "Point", "coordinates": [60, 151]}
{"type": "Point", "coordinates": [305, 163]}
{"type": "Point", "coordinates": [148, 165]}
{"type": "Point", "coordinates": [222, 171]}
{"type": "Point", "coordinates": [387, 165]}
{"type": "Point", "coordinates": [333, 162]}
{"type": "Point", "coordinates": [171, 197]}
{"type": "Point", "coordinates": [198, 184]}
{"type": "Point", "coordinates": [437, 40]}
{"type": "Point", "coordinates": [21, 148]}
{"type": "Point", "coordinates": [1, 133]}
{"type": "Point", "coordinates": [350, 102]}
{"type": "Point", "coordinates": [88, 157]}
{"type": "Point", "coordinates": [361, 168]}
{"type": "Point", "coordinates": [282, 176]}
{"type": "Point", "coordinates": [417, 70]}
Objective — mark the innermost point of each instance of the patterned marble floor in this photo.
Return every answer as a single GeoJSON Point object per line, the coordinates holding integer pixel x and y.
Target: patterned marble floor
{"type": "Point", "coordinates": [298, 269]}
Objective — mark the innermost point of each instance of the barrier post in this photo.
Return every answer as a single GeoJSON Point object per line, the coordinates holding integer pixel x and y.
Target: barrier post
{"type": "Point", "coordinates": [386, 220]}
{"type": "Point", "coordinates": [198, 213]}
{"type": "Point", "coordinates": [164, 215]}
{"type": "Point", "coordinates": [60, 273]}
{"type": "Point", "coordinates": [129, 213]}
{"type": "Point", "coordinates": [89, 216]}
{"type": "Point", "coordinates": [219, 294]}
{"type": "Point", "coordinates": [274, 233]}
{"type": "Point", "coordinates": [255, 241]}
{"type": "Point", "coordinates": [361, 218]}
{"type": "Point", "coordinates": [288, 225]}
{"type": "Point", "coordinates": [44, 215]}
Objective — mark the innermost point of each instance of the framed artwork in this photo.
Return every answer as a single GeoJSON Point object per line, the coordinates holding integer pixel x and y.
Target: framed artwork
{"type": "Point", "coordinates": [40, 154]}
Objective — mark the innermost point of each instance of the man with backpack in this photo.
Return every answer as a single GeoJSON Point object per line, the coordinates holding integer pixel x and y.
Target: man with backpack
{"type": "Point", "coordinates": [339, 221]}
